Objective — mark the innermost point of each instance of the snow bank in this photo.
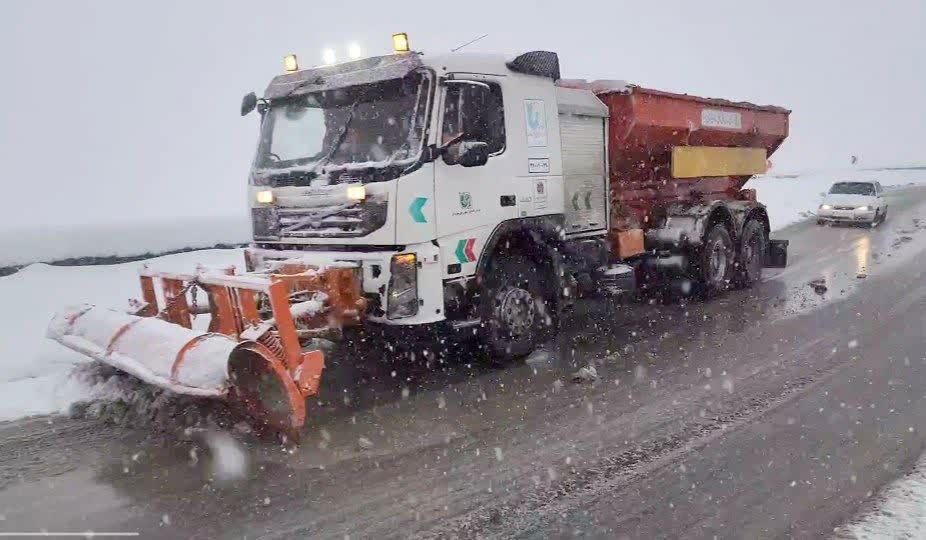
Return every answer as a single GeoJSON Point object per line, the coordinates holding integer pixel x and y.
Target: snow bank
{"type": "Point", "coordinates": [791, 198]}
{"type": "Point", "coordinates": [35, 371]}
{"type": "Point", "coordinates": [43, 243]}
{"type": "Point", "coordinates": [899, 511]}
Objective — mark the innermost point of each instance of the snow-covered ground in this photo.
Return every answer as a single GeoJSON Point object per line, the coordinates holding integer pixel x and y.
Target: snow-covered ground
{"type": "Point", "coordinates": [899, 511]}
{"type": "Point", "coordinates": [35, 373]}
{"type": "Point", "coordinates": [791, 198]}
{"type": "Point", "coordinates": [42, 243]}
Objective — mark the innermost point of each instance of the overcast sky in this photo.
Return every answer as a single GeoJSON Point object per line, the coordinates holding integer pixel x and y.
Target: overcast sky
{"type": "Point", "coordinates": [121, 110]}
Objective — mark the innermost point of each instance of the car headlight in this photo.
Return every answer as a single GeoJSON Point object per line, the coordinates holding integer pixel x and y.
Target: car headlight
{"type": "Point", "coordinates": [403, 287]}
{"type": "Point", "coordinates": [862, 208]}
{"type": "Point", "coordinates": [825, 207]}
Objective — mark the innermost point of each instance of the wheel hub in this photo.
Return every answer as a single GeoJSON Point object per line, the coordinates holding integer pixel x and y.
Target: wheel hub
{"type": "Point", "coordinates": [717, 261]}
{"type": "Point", "coordinates": [515, 310]}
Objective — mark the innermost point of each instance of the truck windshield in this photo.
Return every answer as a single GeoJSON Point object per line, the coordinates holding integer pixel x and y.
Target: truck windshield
{"type": "Point", "coordinates": [370, 126]}
{"type": "Point", "coordinates": [852, 188]}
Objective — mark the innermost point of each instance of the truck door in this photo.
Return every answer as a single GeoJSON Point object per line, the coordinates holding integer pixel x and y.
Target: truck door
{"type": "Point", "coordinates": [471, 200]}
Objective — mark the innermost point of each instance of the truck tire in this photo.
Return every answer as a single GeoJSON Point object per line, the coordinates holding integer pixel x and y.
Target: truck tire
{"type": "Point", "coordinates": [753, 247]}
{"type": "Point", "coordinates": [716, 261]}
{"type": "Point", "coordinates": [514, 309]}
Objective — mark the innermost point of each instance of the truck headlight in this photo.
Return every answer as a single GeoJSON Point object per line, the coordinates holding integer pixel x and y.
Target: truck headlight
{"type": "Point", "coordinates": [356, 193]}
{"type": "Point", "coordinates": [403, 287]}
{"type": "Point", "coordinates": [264, 197]}
{"type": "Point", "coordinates": [825, 207]}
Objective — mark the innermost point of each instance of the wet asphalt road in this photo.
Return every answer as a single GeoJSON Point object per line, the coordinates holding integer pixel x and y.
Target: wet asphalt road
{"type": "Point", "coordinates": [764, 413]}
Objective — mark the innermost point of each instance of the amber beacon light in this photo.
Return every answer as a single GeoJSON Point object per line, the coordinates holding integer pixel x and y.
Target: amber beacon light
{"type": "Point", "coordinates": [400, 42]}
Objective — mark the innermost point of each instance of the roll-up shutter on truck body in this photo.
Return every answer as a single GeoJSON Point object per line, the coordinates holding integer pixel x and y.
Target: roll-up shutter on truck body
{"type": "Point", "coordinates": [582, 133]}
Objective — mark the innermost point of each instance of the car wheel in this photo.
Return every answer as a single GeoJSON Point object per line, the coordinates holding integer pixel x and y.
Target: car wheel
{"type": "Point", "coordinates": [875, 221]}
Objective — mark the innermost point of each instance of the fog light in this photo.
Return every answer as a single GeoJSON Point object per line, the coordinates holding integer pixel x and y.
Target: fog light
{"type": "Point", "coordinates": [403, 287]}
{"type": "Point", "coordinates": [264, 197]}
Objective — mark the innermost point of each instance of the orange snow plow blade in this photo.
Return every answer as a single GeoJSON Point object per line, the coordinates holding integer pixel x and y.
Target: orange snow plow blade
{"type": "Point", "coordinates": [251, 354]}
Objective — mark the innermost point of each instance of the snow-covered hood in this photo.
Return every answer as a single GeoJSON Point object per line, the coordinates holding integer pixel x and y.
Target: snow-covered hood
{"type": "Point", "coordinates": [837, 199]}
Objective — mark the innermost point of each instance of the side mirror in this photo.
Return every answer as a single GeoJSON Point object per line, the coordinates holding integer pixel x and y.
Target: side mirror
{"type": "Point", "coordinates": [823, 194]}
{"type": "Point", "coordinates": [467, 153]}
{"type": "Point", "coordinates": [248, 103]}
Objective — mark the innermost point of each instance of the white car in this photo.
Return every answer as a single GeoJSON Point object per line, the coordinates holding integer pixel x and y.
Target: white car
{"type": "Point", "coordinates": [853, 202]}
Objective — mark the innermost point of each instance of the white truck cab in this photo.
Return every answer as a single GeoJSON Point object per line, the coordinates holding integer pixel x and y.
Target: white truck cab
{"type": "Point", "coordinates": [419, 168]}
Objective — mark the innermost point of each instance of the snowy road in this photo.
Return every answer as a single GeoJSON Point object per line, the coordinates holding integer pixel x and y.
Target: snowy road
{"type": "Point", "coordinates": [764, 413]}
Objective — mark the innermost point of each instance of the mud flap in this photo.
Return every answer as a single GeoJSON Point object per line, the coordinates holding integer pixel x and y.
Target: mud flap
{"type": "Point", "coordinates": [777, 256]}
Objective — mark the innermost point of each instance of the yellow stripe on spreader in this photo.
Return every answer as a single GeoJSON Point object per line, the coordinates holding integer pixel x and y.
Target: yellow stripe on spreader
{"type": "Point", "coordinates": [697, 161]}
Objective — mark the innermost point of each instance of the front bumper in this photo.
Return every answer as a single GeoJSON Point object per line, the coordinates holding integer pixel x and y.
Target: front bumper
{"type": "Point", "coordinates": [374, 273]}
{"type": "Point", "coordinates": [846, 216]}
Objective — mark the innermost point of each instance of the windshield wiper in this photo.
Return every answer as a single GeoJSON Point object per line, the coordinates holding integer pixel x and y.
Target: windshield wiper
{"type": "Point", "coordinates": [337, 143]}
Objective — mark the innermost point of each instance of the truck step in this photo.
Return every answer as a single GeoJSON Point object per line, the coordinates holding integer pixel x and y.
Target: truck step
{"type": "Point", "coordinates": [616, 279]}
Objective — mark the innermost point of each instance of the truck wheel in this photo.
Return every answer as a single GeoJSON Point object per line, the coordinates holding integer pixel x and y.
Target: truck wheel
{"type": "Point", "coordinates": [753, 247]}
{"type": "Point", "coordinates": [514, 309]}
{"type": "Point", "coordinates": [716, 265]}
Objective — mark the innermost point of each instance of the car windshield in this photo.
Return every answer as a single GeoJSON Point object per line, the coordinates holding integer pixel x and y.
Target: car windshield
{"type": "Point", "coordinates": [852, 188]}
{"type": "Point", "coordinates": [365, 126]}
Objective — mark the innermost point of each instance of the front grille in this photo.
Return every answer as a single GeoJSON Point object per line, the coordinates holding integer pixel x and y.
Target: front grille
{"type": "Point", "coordinates": [844, 207]}
{"type": "Point", "coordinates": [341, 220]}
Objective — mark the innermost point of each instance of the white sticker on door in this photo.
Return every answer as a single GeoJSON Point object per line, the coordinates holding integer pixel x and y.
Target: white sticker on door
{"type": "Point", "coordinates": [538, 165]}
{"type": "Point", "coordinates": [540, 194]}
{"type": "Point", "coordinates": [535, 120]}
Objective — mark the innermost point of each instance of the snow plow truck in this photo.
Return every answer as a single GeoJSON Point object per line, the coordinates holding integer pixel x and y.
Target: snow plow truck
{"type": "Point", "coordinates": [469, 192]}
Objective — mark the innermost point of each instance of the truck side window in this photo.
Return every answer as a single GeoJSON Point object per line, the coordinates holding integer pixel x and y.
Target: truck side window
{"type": "Point", "coordinates": [477, 112]}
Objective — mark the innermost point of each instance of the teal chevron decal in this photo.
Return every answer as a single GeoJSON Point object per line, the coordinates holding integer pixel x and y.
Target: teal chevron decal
{"type": "Point", "coordinates": [415, 209]}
